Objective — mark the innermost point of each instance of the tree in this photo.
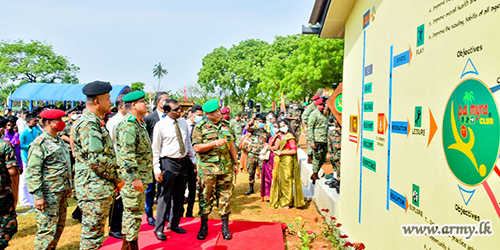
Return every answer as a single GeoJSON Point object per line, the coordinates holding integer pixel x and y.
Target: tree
{"type": "Point", "coordinates": [34, 62]}
{"type": "Point", "coordinates": [299, 65]}
{"type": "Point", "coordinates": [159, 72]}
{"type": "Point", "coordinates": [137, 86]}
{"type": "Point", "coordinates": [235, 69]}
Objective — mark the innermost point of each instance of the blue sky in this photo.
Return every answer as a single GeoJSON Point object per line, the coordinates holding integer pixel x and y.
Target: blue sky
{"type": "Point", "coordinates": [121, 41]}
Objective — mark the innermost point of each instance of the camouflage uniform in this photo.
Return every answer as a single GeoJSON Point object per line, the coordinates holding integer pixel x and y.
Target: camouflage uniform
{"type": "Point", "coordinates": [49, 177]}
{"type": "Point", "coordinates": [317, 132]}
{"type": "Point", "coordinates": [215, 167]}
{"type": "Point", "coordinates": [237, 131]}
{"type": "Point", "coordinates": [305, 118]}
{"type": "Point", "coordinates": [67, 130]}
{"type": "Point", "coordinates": [334, 139]}
{"type": "Point", "coordinates": [95, 175]}
{"type": "Point", "coordinates": [295, 124]}
{"type": "Point", "coordinates": [135, 158]}
{"type": "Point", "coordinates": [8, 221]}
{"type": "Point", "coordinates": [253, 146]}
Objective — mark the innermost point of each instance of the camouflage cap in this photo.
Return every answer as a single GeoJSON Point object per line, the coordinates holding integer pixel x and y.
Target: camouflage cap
{"type": "Point", "coordinates": [211, 105]}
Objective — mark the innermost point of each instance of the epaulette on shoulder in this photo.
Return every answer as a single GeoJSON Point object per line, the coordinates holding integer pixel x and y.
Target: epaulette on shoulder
{"type": "Point", "coordinates": [39, 139]}
{"type": "Point", "coordinates": [201, 123]}
{"type": "Point", "coordinates": [131, 119]}
{"type": "Point", "coordinates": [224, 121]}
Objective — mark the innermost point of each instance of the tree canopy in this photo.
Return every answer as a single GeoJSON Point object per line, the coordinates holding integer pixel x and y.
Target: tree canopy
{"type": "Point", "coordinates": [36, 61]}
{"type": "Point", "coordinates": [136, 86]}
{"type": "Point", "coordinates": [159, 72]}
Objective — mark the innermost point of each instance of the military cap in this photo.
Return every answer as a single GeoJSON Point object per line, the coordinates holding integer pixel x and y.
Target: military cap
{"type": "Point", "coordinates": [226, 110]}
{"type": "Point", "coordinates": [52, 114]}
{"type": "Point", "coordinates": [96, 88]}
{"type": "Point", "coordinates": [316, 97]}
{"type": "Point", "coordinates": [211, 105]}
{"type": "Point", "coordinates": [134, 96]}
{"type": "Point", "coordinates": [319, 101]}
{"type": "Point", "coordinates": [305, 104]}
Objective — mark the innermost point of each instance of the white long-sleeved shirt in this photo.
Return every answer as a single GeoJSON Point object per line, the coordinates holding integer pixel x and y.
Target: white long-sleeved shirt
{"type": "Point", "coordinates": [165, 143]}
{"type": "Point", "coordinates": [112, 124]}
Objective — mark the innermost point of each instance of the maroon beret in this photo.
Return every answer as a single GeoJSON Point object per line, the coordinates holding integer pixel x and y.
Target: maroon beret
{"type": "Point", "coordinates": [52, 114]}
{"type": "Point", "coordinates": [320, 101]}
{"type": "Point", "coordinates": [316, 97]}
{"type": "Point", "coordinates": [226, 110]}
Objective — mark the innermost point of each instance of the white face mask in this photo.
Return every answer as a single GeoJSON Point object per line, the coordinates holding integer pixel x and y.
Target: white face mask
{"type": "Point", "coordinates": [198, 118]}
{"type": "Point", "coordinates": [75, 117]}
{"type": "Point", "coordinates": [275, 130]}
{"type": "Point", "coordinates": [284, 129]}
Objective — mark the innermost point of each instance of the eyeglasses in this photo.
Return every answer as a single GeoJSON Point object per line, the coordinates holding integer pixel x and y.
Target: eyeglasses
{"type": "Point", "coordinates": [176, 109]}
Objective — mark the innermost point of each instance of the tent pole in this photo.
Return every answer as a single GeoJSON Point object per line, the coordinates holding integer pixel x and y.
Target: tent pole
{"type": "Point", "coordinates": [31, 105]}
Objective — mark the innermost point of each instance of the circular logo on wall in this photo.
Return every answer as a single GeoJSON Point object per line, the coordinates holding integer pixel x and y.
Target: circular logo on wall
{"type": "Point", "coordinates": [338, 103]}
{"type": "Point", "coordinates": [471, 132]}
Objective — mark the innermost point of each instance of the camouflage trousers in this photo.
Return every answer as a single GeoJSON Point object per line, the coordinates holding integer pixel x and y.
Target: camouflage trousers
{"type": "Point", "coordinates": [134, 204]}
{"type": "Point", "coordinates": [8, 221]}
{"type": "Point", "coordinates": [94, 216]}
{"type": "Point", "coordinates": [211, 187]}
{"type": "Point", "coordinates": [319, 156]}
{"type": "Point", "coordinates": [334, 151]}
{"type": "Point", "coordinates": [253, 162]}
{"type": "Point", "coordinates": [51, 221]}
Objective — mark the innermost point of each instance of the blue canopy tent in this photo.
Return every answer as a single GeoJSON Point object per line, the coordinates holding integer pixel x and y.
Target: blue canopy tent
{"type": "Point", "coordinates": [56, 92]}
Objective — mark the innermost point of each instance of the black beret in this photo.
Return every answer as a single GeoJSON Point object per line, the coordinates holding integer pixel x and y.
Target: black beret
{"type": "Point", "coordinates": [96, 88]}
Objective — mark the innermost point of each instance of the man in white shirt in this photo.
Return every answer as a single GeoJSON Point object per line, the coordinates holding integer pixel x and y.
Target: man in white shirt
{"type": "Point", "coordinates": [115, 217]}
{"type": "Point", "coordinates": [197, 116]}
{"type": "Point", "coordinates": [173, 160]}
{"type": "Point", "coordinates": [21, 122]}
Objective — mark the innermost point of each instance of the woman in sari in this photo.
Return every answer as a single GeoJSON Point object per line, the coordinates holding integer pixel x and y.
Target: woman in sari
{"type": "Point", "coordinates": [12, 136]}
{"type": "Point", "coordinates": [286, 190]}
{"type": "Point", "coordinates": [267, 166]}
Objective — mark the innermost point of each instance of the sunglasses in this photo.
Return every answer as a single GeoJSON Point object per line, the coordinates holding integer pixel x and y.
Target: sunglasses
{"type": "Point", "coordinates": [176, 109]}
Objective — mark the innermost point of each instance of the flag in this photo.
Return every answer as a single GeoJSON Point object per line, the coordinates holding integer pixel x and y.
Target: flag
{"type": "Point", "coordinates": [274, 106]}
{"type": "Point", "coordinates": [283, 105]}
{"type": "Point", "coordinates": [221, 103]}
{"type": "Point", "coordinates": [185, 98]}
{"type": "Point", "coordinates": [150, 103]}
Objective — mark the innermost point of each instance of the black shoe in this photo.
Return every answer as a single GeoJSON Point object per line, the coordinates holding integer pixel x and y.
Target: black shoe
{"type": "Point", "coordinates": [250, 191]}
{"type": "Point", "coordinates": [117, 235]}
{"type": "Point", "coordinates": [189, 215]}
{"type": "Point", "coordinates": [151, 221]}
{"type": "Point", "coordinates": [225, 228]}
{"type": "Point", "coordinates": [160, 236]}
{"type": "Point", "coordinates": [202, 234]}
{"type": "Point", "coordinates": [178, 230]}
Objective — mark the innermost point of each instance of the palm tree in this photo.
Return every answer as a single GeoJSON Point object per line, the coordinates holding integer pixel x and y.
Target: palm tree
{"type": "Point", "coordinates": [159, 72]}
{"type": "Point", "coordinates": [468, 97]}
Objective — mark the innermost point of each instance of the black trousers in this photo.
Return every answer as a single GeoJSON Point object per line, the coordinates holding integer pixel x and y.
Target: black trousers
{"type": "Point", "coordinates": [192, 191]}
{"type": "Point", "coordinates": [116, 215]}
{"type": "Point", "coordinates": [171, 192]}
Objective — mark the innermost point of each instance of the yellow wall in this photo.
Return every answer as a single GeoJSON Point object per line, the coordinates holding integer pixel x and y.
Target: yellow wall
{"type": "Point", "coordinates": [427, 81]}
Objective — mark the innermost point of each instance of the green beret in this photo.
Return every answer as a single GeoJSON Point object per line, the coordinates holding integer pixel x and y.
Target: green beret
{"type": "Point", "coordinates": [134, 96]}
{"type": "Point", "coordinates": [211, 105]}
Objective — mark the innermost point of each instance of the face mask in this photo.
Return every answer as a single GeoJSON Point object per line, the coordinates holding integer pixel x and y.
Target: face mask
{"type": "Point", "coordinates": [275, 130]}
{"type": "Point", "coordinates": [321, 108]}
{"type": "Point", "coordinates": [284, 129]}
{"type": "Point", "coordinates": [295, 107]}
{"type": "Point", "coordinates": [226, 117]}
{"type": "Point", "coordinates": [198, 118]}
{"type": "Point", "coordinates": [75, 117]}
{"type": "Point", "coordinates": [262, 125]}
{"type": "Point", "coordinates": [60, 125]}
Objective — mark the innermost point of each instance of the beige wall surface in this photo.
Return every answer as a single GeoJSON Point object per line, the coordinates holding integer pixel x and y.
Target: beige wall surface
{"type": "Point", "coordinates": [441, 169]}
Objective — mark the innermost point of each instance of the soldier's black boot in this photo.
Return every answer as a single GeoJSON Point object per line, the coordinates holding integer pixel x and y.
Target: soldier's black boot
{"type": "Point", "coordinates": [225, 228]}
{"type": "Point", "coordinates": [250, 191]}
{"type": "Point", "coordinates": [133, 245]}
{"type": "Point", "coordinates": [202, 234]}
{"type": "Point", "coordinates": [124, 243]}
{"type": "Point", "coordinates": [309, 159]}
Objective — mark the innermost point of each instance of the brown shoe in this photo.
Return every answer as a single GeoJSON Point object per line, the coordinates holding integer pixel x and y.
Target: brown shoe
{"type": "Point", "coordinates": [309, 159]}
{"type": "Point", "coordinates": [124, 243]}
{"type": "Point", "coordinates": [132, 245]}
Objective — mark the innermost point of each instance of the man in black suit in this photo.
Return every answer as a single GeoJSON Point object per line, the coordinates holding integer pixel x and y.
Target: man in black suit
{"type": "Point", "coordinates": [151, 120]}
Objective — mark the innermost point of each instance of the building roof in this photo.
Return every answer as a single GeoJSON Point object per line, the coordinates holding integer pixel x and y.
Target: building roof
{"type": "Point", "coordinates": [57, 92]}
{"type": "Point", "coordinates": [331, 15]}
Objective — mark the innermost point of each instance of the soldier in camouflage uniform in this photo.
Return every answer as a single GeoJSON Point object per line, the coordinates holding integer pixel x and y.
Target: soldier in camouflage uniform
{"type": "Point", "coordinates": [305, 119]}
{"type": "Point", "coordinates": [96, 171]}
{"type": "Point", "coordinates": [8, 167]}
{"type": "Point", "coordinates": [253, 146]}
{"type": "Point", "coordinates": [216, 160]}
{"type": "Point", "coordinates": [135, 159]}
{"type": "Point", "coordinates": [294, 117]}
{"type": "Point", "coordinates": [49, 179]}
{"type": "Point", "coordinates": [317, 134]}
{"type": "Point", "coordinates": [236, 125]}
{"type": "Point", "coordinates": [334, 139]}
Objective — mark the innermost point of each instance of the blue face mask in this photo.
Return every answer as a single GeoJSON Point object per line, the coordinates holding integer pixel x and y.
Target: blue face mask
{"type": "Point", "coordinates": [198, 118]}
{"type": "Point", "coordinates": [262, 125]}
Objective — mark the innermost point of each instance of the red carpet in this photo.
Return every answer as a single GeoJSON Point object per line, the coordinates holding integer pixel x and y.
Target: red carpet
{"type": "Point", "coordinates": [246, 235]}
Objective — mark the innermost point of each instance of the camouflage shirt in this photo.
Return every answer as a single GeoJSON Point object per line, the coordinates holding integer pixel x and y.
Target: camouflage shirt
{"type": "Point", "coordinates": [309, 109]}
{"type": "Point", "coordinates": [49, 166]}
{"type": "Point", "coordinates": [294, 113]}
{"type": "Point", "coordinates": [317, 127]}
{"type": "Point", "coordinates": [67, 131]}
{"type": "Point", "coordinates": [257, 141]}
{"type": "Point", "coordinates": [334, 128]}
{"type": "Point", "coordinates": [95, 167]}
{"type": "Point", "coordinates": [237, 129]}
{"type": "Point", "coordinates": [7, 160]}
{"type": "Point", "coordinates": [134, 153]}
{"type": "Point", "coordinates": [216, 160]}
